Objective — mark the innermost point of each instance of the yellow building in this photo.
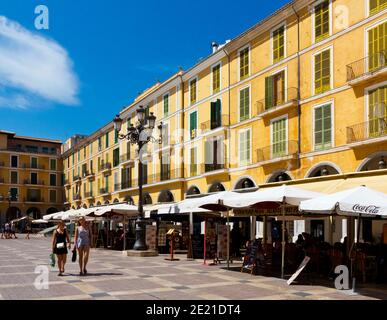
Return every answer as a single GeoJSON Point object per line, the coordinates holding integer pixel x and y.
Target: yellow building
{"type": "Point", "coordinates": [30, 177]}
{"type": "Point", "coordinates": [301, 94]}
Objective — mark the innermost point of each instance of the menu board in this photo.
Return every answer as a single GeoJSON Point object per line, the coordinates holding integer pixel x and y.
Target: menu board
{"type": "Point", "coordinates": [184, 235]}
{"type": "Point", "coordinates": [222, 242]}
{"type": "Point", "coordinates": [197, 246]}
{"type": "Point", "coordinates": [210, 239]}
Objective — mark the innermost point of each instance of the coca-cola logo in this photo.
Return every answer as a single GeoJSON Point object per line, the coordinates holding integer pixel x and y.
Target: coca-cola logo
{"type": "Point", "coordinates": [366, 209]}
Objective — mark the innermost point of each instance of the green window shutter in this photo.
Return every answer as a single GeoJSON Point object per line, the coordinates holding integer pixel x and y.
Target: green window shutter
{"type": "Point", "coordinates": [216, 108]}
{"type": "Point", "coordinates": [244, 104]}
{"type": "Point", "coordinates": [107, 140]}
{"type": "Point", "coordinates": [193, 164]}
{"type": "Point", "coordinates": [166, 105]}
{"type": "Point", "coordinates": [244, 63]}
{"type": "Point", "coordinates": [279, 138]}
{"type": "Point", "coordinates": [193, 124]}
{"type": "Point", "coordinates": [322, 20]}
{"type": "Point", "coordinates": [269, 93]}
{"type": "Point", "coordinates": [193, 91]}
{"type": "Point", "coordinates": [116, 157]}
{"type": "Point", "coordinates": [216, 79]}
{"type": "Point", "coordinates": [279, 44]}
{"type": "Point", "coordinates": [322, 76]}
{"type": "Point", "coordinates": [323, 127]}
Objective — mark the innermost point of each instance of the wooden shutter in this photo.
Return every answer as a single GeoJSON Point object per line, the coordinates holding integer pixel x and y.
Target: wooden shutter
{"type": "Point", "coordinates": [193, 124]}
{"type": "Point", "coordinates": [269, 92]}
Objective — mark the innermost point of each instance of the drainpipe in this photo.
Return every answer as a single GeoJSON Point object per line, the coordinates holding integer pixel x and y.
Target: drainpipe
{"type": "Point", "coordinates": [298, 86]}
{"type": "Point", "coordinates": [229, 106]}
{"type": "Point", "coordinates": [182, 128]}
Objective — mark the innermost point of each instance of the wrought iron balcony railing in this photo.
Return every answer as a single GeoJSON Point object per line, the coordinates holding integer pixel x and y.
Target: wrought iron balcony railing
{"type": "Point", "coordinates": [276, 100]}
{"type": "Point", "coordinates": [104, 190]}
{"type": "Point", "coordinates": [89, 194]}
{"type": "Point", "coordinates": [221, 121]}
{"type": "Point", "coordinates": [35, 183]}
{"type": "Point", "coordinates": [32, 166]}
{"type": "Point", "coordinates": [277, 150]}
{"type": "Point", "coordinates": [367, 130]}
{"type": "Point", "coordinates": [105, 166]}
{"type": "Point", "coordinates": [34, 151]}
{"type": "Point", "coordinates": [367, 65]}
{"type": "Point", "coordinates": [77, 197]}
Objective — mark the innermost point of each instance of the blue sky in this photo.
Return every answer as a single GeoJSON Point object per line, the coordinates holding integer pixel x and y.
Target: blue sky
{"type": "Point", "coordinates": [98, 55]}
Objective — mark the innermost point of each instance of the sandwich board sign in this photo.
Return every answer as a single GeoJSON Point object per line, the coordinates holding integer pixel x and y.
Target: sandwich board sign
{"type": "Point", "coordinates": [299, 270]}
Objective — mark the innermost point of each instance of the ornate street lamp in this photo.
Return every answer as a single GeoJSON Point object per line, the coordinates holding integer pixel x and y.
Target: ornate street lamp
{"type": "Point", "coordinates": [10, 199]}
{"type": "Point", "coordinates": [139, 135]}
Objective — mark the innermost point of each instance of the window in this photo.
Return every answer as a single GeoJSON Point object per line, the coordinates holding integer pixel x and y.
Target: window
{"type": "Point", "coordinates": [165, 166]}
{"type": "Point", "coordinates": [193, 162]}
{"type": "Point", "coordinates": [107, 140]}
{"type": "Point", "coordinates": [99, 144]}
{"type": "Point", "coordinates": [34, 162]}
{"type": "Point", "coordinates": [107, 184]}
{"type": "Point", "coordinates": [244, 63]}
{"type": "Point", "coordinates": [91, 188]}
{"type": "Point", "coordinates": [126, 181]}
{"type": "Point", "coordinates": [84, 152]}
{"type": "Point", "coordinates": [322, 72]}
{"type": "Point", "coordinates": [73, 156]}
{"type": "Point", "coordinates": [165, 134]}
{"type": "Point", "coordinates": [84, 170]}
{"type": "Point", "coordinates": [14, 161]}
{"type": "Point", "coordinates": [116, 157]}
{"type": "Point", "coordinates": [144, 173]}
{"type": "Point", "coordinates": [146, 114]}
{"type": "Point", "coordinates": [193, 91]}
{"type": "Point", "coordinates": [14, 194]}
{"type": "Point", "coordinates": [45, 150]}
{"type": "Point", "coordinates": [377, 6]}
{"type": "Point", "coordinates": [244, 147]}
{"type": "Point", "coordinates": [68, 162]}
{"type": "Point", "coordinates": [244, 104]}
{"type": "Point", "coordinates": [323, 127]}
{"type": "Point", "coordinates": [53, 180]}
{"type": "Point", "coordinates": [128, 125]}
{"type": "Point", "coordinates": [377, 43]}
{"type": "Point", "coordinates": [79, 155]}
{"type": "Point", "coordinates": [166, 104]}
{"type": "Point", "coordinates": [53, 164]}
{"type": "Point", "coordinates": [34, 178]}
{"type": "Point", "coordinates": [193, 124]}
{"type": "Point", "coordinates": [53, 196]}
{"type": "Point", "coordinates": [279, 143]}
{"type": "Point", "coordinates": [321, 21]}
{"type": "Point", "coordinates": [33, 195]}
{"type": "Point", "coordinates": [91, 166]}
{"type": "Point", "coordinates": [116, 136]}
{"type": "Point", "coordinates": [115, 182]}
{"type": "Point", "coordinates": [275, 90]}
{"type": "Point", "coordinates": [377, 111]}
{"type": "Point", "coordinates": [32, 149]}
{"type": "Point", "coordinates": [214, 154]}
{"type": "Point", "coordinates": [278, 44]}
{"type": "Point", "coordinates": [14, 177]}
{"type": "Point", "coordinates": [216, 114]}
{"type": "Point", "coordinates": [216, 79]}
{"type": "Point", "coordinates": [91, 149]}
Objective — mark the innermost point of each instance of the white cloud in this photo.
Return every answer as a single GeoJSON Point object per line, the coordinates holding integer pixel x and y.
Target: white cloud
{"type": "Point", "coordinates": [32, 65]}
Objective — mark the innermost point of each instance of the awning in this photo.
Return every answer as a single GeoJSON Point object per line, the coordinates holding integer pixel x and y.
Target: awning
{"type": "Point", "coordinates": [39, 221]}
{"type": "Point", "coordinates": [21, 219]}
{"type": "Point", "coordinates": [119, 209]}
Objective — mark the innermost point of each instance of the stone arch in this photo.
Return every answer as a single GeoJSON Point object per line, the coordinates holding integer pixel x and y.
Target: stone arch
{"type": "Point", "coordinates": [116, 200]}
{"type": "Point", "coordinates": [146, 198]}
{"type": "Point", "coordinates": [91, 205]}
{"type": "Point", "coordinates": [73, 207]}
{"type": "Point", "coordinates": [245, 182]}
{"type": "Point", "coordinates": [34, 213]}
{"type": "Point", "coordinates": [165, 196]}
{"type": "Point", "coordinates": [106, 202]}
{"type": "Point", "coordinates": [375, 161]}
{"type": "Point", "coordinates": [12, 213]}
{"type": "Point", "coordinates": [216, 187]}
{"type": "Point", "coordinates": [84, 206]}
{"type": "Point", "coordinates": [193, 190]}
{"type": "Point", "coordinates": [323, 169]}
{"type": "Point", "coordinates": [279, 176]}
{"type": "Point", "coordinates": [98, 203]}
{"type": "Point", "coordinates": [129, 200]}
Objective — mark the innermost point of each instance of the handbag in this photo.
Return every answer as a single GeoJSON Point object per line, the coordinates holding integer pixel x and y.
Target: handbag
{"type": "Point", "coordinates": [52, 260]}
{"type": "Point", "coordinates": [60, 245]}
{"type": "Point", "coordinates": [74, 257]}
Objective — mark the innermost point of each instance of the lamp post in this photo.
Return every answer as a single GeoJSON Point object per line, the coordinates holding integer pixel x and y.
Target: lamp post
{"type": "Point", "coordinates": [9, 198]}
{"type": "Point", "coordinates": [139, 135]}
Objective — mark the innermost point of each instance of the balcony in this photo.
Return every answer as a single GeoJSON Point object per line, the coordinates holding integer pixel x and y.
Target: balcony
{"type": "Point", "coordinates": [34, 199]}
{"type": "Point", "coordinates": [126, 158]}
{"type": "Point", "coordinates": [278, 152]}
{"type": "Point", "coordinates": [105, 167]}
{"type": "Point", "coordinates": [33, 151]}
{"type": "Point", "coordinates": [67, 183]}
{"type": "Point", "coordinates": [77, 197]}
{"type": "Point", "coordinates": [34, 183]}
{"type": "Point", "coordinates": [278, 102]}
{"type": "Point", "coordinates": [104, 191]}
{"type": "Point", "coordinates": [33, 167]}
{"type": "Point", "coordinates": [370, 68]}
{"type": "Point", "coordinates": [367, 131]}
{"type": "Point", "coordinates": [89, 195]}
{"type": "Point", "coordinates": [210, 125]}
{"type": "Point", "coordinates": [77, 179]}
{"type": "Point", "coordinates": [210, 167]}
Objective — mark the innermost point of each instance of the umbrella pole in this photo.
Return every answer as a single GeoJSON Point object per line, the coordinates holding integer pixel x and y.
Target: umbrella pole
{"type": "Point", "coordinates": [124, 233]}
{"type": "Point", "coordinates": [283, 241]}
{"type": "Point", "coordinates": [205, 241]}
{"type": "Point", "coordinates": [228, 240]}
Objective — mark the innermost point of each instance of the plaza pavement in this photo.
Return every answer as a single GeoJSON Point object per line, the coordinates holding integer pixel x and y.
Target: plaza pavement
{"type": "Point", "coordinates": [114, 276]}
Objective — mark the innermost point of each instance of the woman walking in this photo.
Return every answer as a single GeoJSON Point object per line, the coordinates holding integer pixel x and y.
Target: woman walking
{"type": "Point", "coordinates": [60, 242]}
{"type": "Point", "coordinates": [83, 242]}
